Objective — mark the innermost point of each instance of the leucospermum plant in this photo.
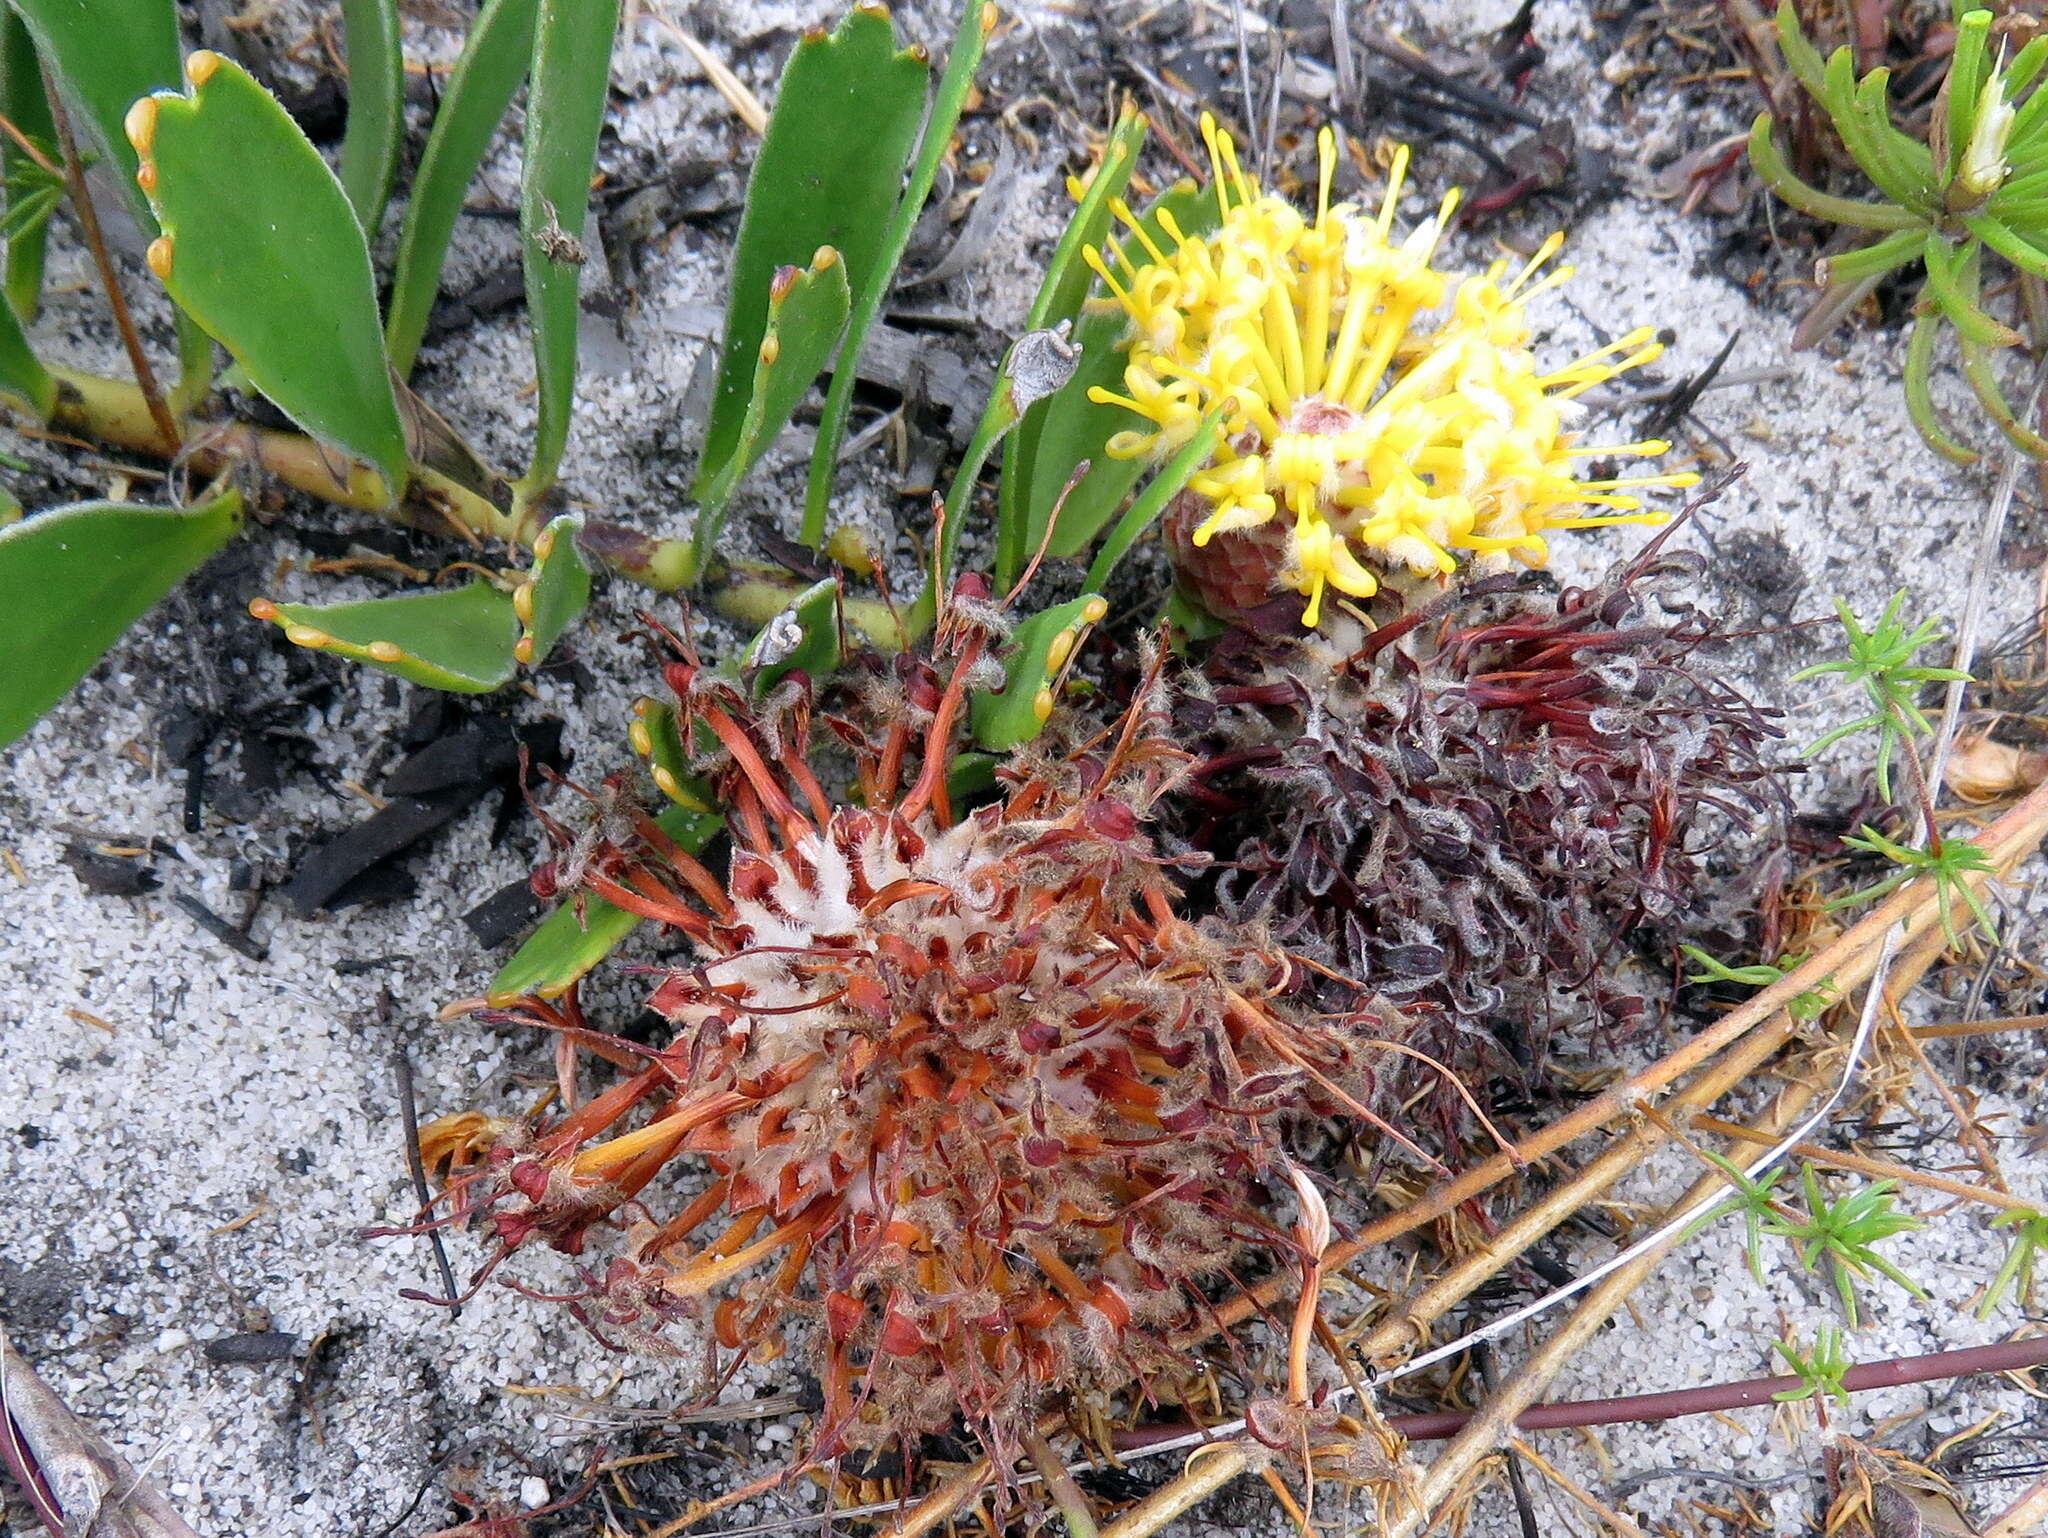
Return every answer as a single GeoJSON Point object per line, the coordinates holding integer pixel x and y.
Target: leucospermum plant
{"type": "Point", "coordinates": [1974, 195]}
{"type": "Point", "coordinates": [1361, 438]}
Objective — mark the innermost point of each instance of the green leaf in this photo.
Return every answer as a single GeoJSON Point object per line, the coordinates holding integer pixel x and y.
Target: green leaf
{"type": "Point", "coordinates": [25, 106]}
{"type": "Point", "coordinates": [107, 53]}
{"type": "Point", "coordinates": [828, 172]}
{"type": "Point", "coordinates": [569, 943]}
{"type": "Point", "coordinates": [494, 60]}
{"type": "Point", "coordinates": [1770, 167]}
{"type": "Point", "coordinates": [1917, 378]}
{"type": "Point", "coordinates": [1869, 262]}
{"type": "Point", "coordinates": [460, 640]}
{"type": "Point", "coordinates": [554, 593]}
{"type": "Point", "coordinates": [74, 578]}
{"type": "Point", "coordinates": [572, 61]}
{"type": "Point", "coordinates": [1953, 285]}
{"type": "Point", "coordinates": [804, 636]}
{"type": "Point", "coordinates": [261, 247]}
{"type": "Point", "coordinates": [871, 286]}
{"type": "Point", "coordinates": [1067, 278]}
{"type": "Point", "coordinates": [376, 106]}
{"type": "Point", "coordinates": [807, 308]}
{"type": "Point", "coordinates": [1034, 663]}
{"type": "Point", "coordinates": [657, 737]}
{"type": "Point", "coordinates": [1151, 502]}
{"type": "Point", "coordinates": [1969, 67]}
{"type": "Point", "coordinates": [1074, 428]}
{"type": "Point", "coordinates": [1801, 57]}
{"type": "Point", "coordinates": [21, 371]}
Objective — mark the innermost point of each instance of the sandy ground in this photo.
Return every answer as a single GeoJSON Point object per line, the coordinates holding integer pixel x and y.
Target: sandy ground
{"type": "Point", "coordinates": [191, 1142]}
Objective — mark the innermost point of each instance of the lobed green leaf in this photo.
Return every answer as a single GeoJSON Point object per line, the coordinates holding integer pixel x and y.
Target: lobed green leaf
{"type": "Point", "coordinates": [261, 247]}
{"type": "Point", "coordinates": [807, 310]}
{"type": "Point", "coordinates": [555, 591]}
{"type": "Point", "coordinates": [461, 639]}
{"type": "Point", "coordinates": [828, 172]}
{"type": "Point", "coordinates": [1034, 664]}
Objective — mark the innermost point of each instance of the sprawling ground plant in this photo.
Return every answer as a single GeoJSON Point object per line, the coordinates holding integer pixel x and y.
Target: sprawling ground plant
{"type": "Point", "coordinates": [975, 1096]}
{"type": "Point", "coordinates": [1475, 810]}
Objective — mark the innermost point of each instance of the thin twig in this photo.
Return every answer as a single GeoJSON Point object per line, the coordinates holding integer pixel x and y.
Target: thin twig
{"type": "Point", "coordinates": [110, 280]}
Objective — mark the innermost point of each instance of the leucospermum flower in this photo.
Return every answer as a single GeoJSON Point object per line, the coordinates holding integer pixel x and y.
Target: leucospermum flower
{"type": "Point", "coordinates": [1360, 438]}
{"type": "Point", "coordinates": [965, 1093]}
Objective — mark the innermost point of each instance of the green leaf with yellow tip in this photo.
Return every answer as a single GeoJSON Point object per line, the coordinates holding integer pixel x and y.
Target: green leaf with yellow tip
{"type": "Point", "coordinates": [107, 53]}
{"type": "Point", "coordinates": [554, 592]}
{"type": "Point", "coordinates": [657, 737]}
{"type": "Point", "coordinates": [828, 173]}
{"type": "Point", "coordinates": [74, 578]}
{"type": "Point", "coordinates": [1073, 428]}
{"type": "Point", "coordinates": [807, 308]}
{"type": "Point", "coordinates": [460, 640]}
{"type": "Point", "coordinates": [474, 96]}
{"type": "Point", "coordinates": [1060, 293]}
{"type": "Point", "coordinates": [1035, 662]}
{"type": "Point", "coordinates": [569, 943]}
{"type": "Point", "coordinates": [572, 60]}
{"type": "Point", "coordinates": [803, 636]}
{"type": "Point", "coordinates": [261, 247]}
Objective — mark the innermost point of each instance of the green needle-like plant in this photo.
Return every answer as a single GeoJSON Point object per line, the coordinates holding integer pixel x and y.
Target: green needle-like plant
{"type": "Point", "coordinates": [2016, 1273]}
{"type": "Point", "coordinates": [1980, 185]}
{"type": "Point", "coordinates": [1809, 1005]}
{"type": "Point", "coordinates": [1844, 1235]}
{"type": "Point", "coordinates": [1821, 1372]}
{"type": "Point", "coordinates": [1880, 659]}
{"type": "Point", "coordinates": [1754, 1199]}
{"type": "Point", "coordinates": [1950, 862]}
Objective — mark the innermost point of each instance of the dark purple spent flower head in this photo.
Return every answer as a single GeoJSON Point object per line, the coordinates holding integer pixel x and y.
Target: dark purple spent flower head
{"type": "Point", "coordinates": [1489, 811]}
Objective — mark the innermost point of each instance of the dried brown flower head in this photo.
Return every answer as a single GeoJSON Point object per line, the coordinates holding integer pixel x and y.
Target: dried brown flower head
{"type": "Point", "coordinates": [974, 1099]}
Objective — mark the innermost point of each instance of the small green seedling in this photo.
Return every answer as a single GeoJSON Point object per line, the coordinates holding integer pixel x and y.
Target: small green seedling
{"type": "Point", "coordinates": [1844, 1235]}
{"type": "Point", "coordinates": [1949, 864]}
{"type": "Point", "coordinates": [1754, 1200]}
{"type": "Point", "coordinates": [2016, 1274]}
{"type": "Point", "coordinates": [1822, 1372]}
{"type": "Point", "coordinates": [1880, 660]}
{"type": "Point", "coordinates": [1809, 1005]}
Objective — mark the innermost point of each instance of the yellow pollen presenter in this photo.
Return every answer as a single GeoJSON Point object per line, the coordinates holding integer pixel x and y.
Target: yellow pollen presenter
{"type": "Point", "coordinates": [1365, 435]}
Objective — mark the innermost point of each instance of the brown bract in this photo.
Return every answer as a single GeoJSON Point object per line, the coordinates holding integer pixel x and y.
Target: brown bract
{"type": "Point", "coordinates": [972, 1098]}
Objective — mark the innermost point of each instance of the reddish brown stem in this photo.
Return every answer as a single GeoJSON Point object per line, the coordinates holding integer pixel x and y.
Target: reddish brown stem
{"type": "Point", "coordinates": [1646, 1409]}
{"type": "Point", "coordinates": [89, 227]}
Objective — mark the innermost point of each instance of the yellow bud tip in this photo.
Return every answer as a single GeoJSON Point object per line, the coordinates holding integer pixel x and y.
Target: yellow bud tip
{"type": "Point", "coordinates": [1041, 704]}
{"type": "Point", "coordinates": [262, 608]}
{"type": "Point", "coordinates": [771, 349]}
{"type": "Point", "coordinates": [306, 635]}
{"type": "Point", "coordinates": [159, 256]}
{"type": "Point", "coordinates": [989, 17]}
{"type": "Point", "coordinates": [145, 177]}
{"type": "Point", "coordinates": [200, 66]}
{"type": "Point", "coordinates": [385, 651]}
{"type": "Point", "coordinates": [1094, 610]}
{"type": "Point", "coordinates": [545, 545]}
{"type": "Point", "coordinates": [1060, 650]}
{"type": "Point", "coordinates": [826, 258]}
{"type": "Point", "coordinates": [140, 124]}
{"type": "Point", "coordinates": [667, 784]}
{"type": "Point", "coordinates": [522, 651]}
{"type": "Point", "coordinates": [641, 738]}
{"type": "Point", "coordinates": [1683, 479]}
{"type": "Point", "coordinates": [522, 602]}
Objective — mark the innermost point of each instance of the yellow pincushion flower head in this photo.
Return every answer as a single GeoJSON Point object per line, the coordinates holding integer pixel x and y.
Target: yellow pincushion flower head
{"type": "Point", "coordinates": [1360, 439]}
